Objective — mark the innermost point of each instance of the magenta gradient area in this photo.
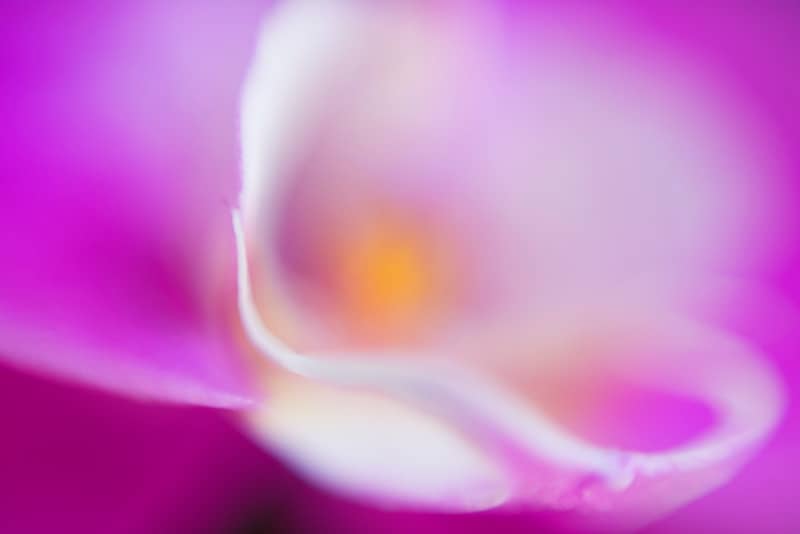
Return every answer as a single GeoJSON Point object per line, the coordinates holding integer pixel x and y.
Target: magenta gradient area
{"type": "Point", "coordinates": [119, 162]}
{"type": "Point", "coordinates": [77, 460]}
{"type": "Point", "coordinates": [120, 379]}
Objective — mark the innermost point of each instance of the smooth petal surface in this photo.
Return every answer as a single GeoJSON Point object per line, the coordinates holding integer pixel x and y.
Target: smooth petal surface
{"type": "Point", "coordinates": [497, 153]}
{"type": "Point", "coordinates": [118, 167]}
{"type": "Point", "coordinates": [596, 157]}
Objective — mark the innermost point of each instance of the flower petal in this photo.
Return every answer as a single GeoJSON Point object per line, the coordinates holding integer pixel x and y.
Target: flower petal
{"type": "Point", "coordinates": [502, 150]}
{"type": "Point", "coordinates": [120, 124]}
{"type": "Point", "coordinates": [543, 462]}
{"type": "Point", "coordinates": [504, 437]}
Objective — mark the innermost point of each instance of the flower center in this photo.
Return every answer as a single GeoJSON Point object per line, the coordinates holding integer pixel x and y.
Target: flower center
{"type": "Point", "coordinates": [388, 280]}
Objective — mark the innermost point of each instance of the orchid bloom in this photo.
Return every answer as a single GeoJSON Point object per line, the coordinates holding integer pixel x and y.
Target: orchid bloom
{"type": "Point", "coordinates": [477, 257]}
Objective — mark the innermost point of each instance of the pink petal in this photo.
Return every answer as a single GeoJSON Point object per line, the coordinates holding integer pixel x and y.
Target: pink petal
{"type": "Point", "coordinates": [120, 161]}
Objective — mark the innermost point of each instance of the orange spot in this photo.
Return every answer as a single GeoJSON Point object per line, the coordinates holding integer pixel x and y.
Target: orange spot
{"type": "Point", "coordinates": [390, 280]}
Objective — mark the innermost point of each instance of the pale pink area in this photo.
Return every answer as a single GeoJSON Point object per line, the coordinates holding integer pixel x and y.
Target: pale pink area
{"type": "Point", "coordinates": [606, 174]}
{"type": "Point", "coordinates": [566, 155]}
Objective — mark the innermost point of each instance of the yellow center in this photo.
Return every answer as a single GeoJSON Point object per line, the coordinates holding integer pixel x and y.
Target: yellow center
{"type": "Point", "coordinates": [389, 280]}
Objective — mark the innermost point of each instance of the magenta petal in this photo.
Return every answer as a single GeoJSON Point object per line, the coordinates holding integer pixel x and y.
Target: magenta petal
{"type": "Point", "coordinates": [120, 137]}
{"type": "Point", "coordinates": [97, 284]}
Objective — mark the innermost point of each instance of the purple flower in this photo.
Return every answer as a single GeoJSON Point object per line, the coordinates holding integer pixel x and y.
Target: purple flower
{"type": "Point", "coordinates": [442, 255]}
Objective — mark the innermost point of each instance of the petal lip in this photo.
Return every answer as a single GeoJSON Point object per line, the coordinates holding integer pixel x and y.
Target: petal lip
{"type": "Point", "coordinates": [741, 388]}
